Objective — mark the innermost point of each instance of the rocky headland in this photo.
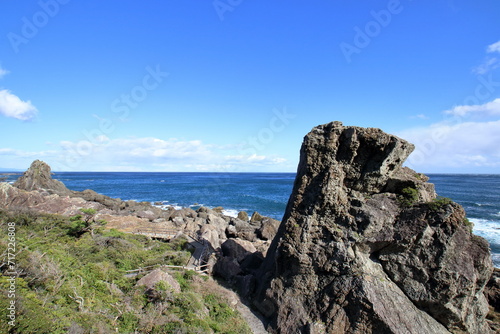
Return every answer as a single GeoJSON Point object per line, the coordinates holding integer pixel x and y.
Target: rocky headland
{"type": "Point", "coordinates": [365, 245]}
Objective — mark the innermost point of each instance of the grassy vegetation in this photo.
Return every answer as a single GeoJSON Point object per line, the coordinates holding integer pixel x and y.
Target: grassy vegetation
{"type": "Point", "coordinates": [408, 197]}
{"type": "Point", "coordinates": [439, 203]}
{"type": "Point", "coordinates": [72, 279]}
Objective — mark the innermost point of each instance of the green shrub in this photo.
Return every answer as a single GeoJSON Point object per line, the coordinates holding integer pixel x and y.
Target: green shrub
{"type": "Point", "coordinates": [439, 203]}
{"type": "Point", "coordinates": [75, 282]}
{"type": "Point", "coordinates": [408, 197]}
{"type": "Point", "coordinates": [469, 224]}
{"type": "Point", "coordinates": [128, 322]}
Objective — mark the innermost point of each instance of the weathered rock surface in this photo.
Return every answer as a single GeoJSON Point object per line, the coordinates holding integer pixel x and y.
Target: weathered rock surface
{"type": "Point", "coordinates": [349, 257]}
{"type": "Point", "coordinates": [492, 290]}
{"type": "Point", "coordinates": [238, 249]}
{"type": "Point", "coordinates": [156, 276]}
{"type": "Point", "coordinates": [39, 177]}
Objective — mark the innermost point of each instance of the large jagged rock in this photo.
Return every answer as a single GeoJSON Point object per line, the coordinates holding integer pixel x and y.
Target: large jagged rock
{"type": "Point", "coordinates": [39, 177]}
{"type": "Point", "coordinates": [358, 252]}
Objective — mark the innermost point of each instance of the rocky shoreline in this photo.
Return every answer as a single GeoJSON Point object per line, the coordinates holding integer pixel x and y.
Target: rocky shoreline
{"type": "Point", "coordinates": [36, 190]}
{"type": "Point", "coordinates": [365, 245]}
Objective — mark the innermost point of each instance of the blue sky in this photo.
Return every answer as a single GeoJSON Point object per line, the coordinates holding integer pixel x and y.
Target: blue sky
{"type": "Point", "coordinates": [234, 85]}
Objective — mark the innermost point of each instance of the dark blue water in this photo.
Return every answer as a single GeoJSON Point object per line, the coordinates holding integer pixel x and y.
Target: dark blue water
{"type": "Point", "coordinates": [480, 197]}
{"type": "Point", "coordinates": [268, 193]}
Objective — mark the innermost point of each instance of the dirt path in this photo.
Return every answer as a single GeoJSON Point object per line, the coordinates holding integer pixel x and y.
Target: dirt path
{"type": "Point", "coordinates": [253, 320]}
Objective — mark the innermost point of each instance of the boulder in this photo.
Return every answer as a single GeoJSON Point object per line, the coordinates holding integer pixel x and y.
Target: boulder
{"type": "Point", "coordinates": [228, 268]}
{"type": "Point", "coordinates": [217, 221]}
{"type": "Point", "coordinates": [237, 248]}
{"type": "Point", "coordinates": [110, 203]}
{"type": "Point", "coordinates": [218, 209]}
{"type": "Point", "coordinates": [242, 215]}
{"type": "Point", "coordinates": [158, 275]}
{"type": "Point", "coordinates": [256, 217]}
{"type": "Point", "coordinates": [268, 229]}
{"type": "Point", "coordinates": [210, 234]}
{"type": "Point", "coordinates": [241, 229]}
{"type": "Point", "coordinates": [349, 257]}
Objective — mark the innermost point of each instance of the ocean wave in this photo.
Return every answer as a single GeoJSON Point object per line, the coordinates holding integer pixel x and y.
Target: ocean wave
{"type": "Point", "coordinates": [486, 204]}
{"type": "Point", "coordinates": [488, 229]}
{"type": "Point", "coordinates": [168, 206]}
{"type": "Point", "coordinates": [230, 212]}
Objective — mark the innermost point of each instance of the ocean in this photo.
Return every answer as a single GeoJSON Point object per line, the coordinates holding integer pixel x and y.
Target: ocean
{"type": "Point", "coordinates": [268, 193]}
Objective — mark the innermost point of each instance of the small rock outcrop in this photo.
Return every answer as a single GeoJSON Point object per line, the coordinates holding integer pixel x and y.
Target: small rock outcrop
{"type": "Point", "coordinates": [39, 177]}
{"type": "Point", "coordinates": [153, 278]}
{"type": "Point", "coordinates": [365, 246]}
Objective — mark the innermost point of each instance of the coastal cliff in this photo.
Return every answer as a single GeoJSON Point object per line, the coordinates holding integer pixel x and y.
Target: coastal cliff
{"type": "Point", "coordinates": [366, 247]}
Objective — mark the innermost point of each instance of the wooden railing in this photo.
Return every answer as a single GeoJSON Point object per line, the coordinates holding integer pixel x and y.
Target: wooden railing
{"type": "Point", "coordinates": [157, 232]}
{"type": "Point", "coordinates": [197, 263]}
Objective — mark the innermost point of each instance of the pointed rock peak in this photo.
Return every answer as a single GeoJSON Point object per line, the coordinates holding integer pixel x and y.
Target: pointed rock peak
{"type": "Point", "coordinates": [39, 177]}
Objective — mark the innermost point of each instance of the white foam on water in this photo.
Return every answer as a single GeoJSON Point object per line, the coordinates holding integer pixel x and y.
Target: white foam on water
{"type": "Point", "coordinates": [230, 212]}
{"type": "Point", "coordinates": [166, 205]}
{"type": "Point", "coordinates": [490, 230]}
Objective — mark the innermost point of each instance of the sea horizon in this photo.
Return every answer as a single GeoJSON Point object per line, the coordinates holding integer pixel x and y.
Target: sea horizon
{"type": "Point", "coordinates": [268, 193]}
{"type": "Point", "coordinates": [18, 171]}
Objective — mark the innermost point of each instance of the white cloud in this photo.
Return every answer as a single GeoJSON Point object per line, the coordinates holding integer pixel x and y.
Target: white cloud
{"type": "Point", "coordinates": [487, 109]}
{"type": "Point", "coordinates": [12, 106]}
{"type": "Point", "coordinates": [12, 153]}
{"type": "Point", "coordinates": [151, 154]}
{"type": "Point", "coordinates": [488, 65]}
{"type": "Point", "coordinates": [495, 47]}
{"type": "Point", "coordinates": [3, 72]}
{"type": "Point", "coordinates": [419, 116]}
{"type": "Point", "coordinates": [466, 145]}
{"type": "Point", "coordinates": [491, 62]}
